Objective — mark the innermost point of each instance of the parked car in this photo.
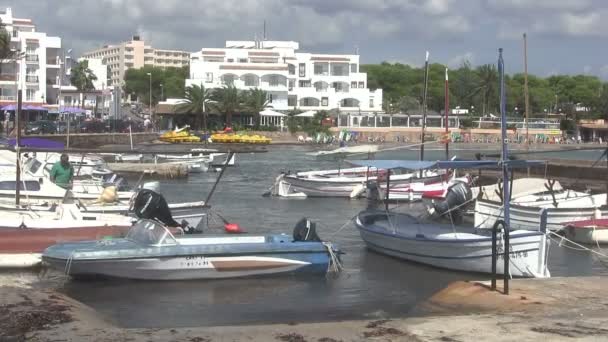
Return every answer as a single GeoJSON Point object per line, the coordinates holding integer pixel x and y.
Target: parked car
{"type": "Point", "coordinates": [41, 127]}
{"type": "Point", "coordinates": [92, 127]}
{"type": "Point", "coordinates": [122, 126]}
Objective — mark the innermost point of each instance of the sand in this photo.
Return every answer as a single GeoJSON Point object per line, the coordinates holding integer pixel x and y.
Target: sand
{"type": "Point", "coordinates": [557, 309]}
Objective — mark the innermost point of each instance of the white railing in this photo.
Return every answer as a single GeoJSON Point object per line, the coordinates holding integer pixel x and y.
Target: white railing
{"type": "Point", "coordinates": [7, 98]}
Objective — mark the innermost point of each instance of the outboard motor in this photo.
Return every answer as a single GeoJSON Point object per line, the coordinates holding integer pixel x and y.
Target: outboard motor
{"type": "Point", "coordinates": [149, 204]}
{"type": "Point", "coordinates": [457, 195]}
{"type": "Point", "coordinates": [305, 230]}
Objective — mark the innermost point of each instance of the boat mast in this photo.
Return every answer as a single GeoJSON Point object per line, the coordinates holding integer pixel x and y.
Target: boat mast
{"type": "Point", "coordinates": [426, 86]}
{"type": "Point", "coordinates": [18, 146]}
{"type": "Point", "coordinates": [447, 111]}
{"type": "Point", "coordinates": [526, 95]}
{"type": "Point", "coordinates": [505, 170]}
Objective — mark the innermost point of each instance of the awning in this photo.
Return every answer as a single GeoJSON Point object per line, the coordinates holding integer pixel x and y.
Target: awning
{"type": "Point", "coordinates": [308, 114]}
{"type": "Point", "coordinates": [269, 112]}
{"type": "Point", "coordinates": [448, 164]}
{"type": "Point", "coordinates": [38, 143]}
{"type": "Point", "coordinates": [38, 108]}
{"type": "Point", "coordinates": [71, 110]}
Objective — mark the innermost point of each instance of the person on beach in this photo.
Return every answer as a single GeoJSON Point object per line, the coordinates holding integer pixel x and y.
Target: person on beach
{"type": "Point", "coordinates": [62, 172]}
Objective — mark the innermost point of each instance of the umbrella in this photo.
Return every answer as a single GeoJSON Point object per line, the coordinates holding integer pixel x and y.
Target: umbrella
{"type": "Point", "coordinates": [31, 107]}
{"type": "Point", "coordinates": [269, 112]}
{"type": "Point", "coordinates": [308, 114]}
{"type": "Point", "coordinates": [10, 107]}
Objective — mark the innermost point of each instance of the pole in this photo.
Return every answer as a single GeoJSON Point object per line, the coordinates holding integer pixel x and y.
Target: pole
{"type": "Point", "coordinates": [150, 74]}
{"type": "Point", "coordinates": [526, 95]}
{"type": "Point", "coordinates": [426, 84]}
{"type": "Point", "coordinates": [230, 155]}
{"type": "Point", "coordinates": [68, 130]}
{"type": "Point", "coordinates": [388, 189]}
{"type": "Point", "coordinates": [505, 171]}
{"type": "Point", "coordinates": [18, 146]}
{"type": "Point", "coordinates": [447, 111]}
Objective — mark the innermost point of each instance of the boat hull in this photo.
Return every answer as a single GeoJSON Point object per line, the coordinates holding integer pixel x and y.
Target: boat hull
{"type": "Point", "coordinates": [528, 217]}
{"type": "Point", "coordinates": [189, 267]}
{"type": "Point", "coordinates": [464, 253]}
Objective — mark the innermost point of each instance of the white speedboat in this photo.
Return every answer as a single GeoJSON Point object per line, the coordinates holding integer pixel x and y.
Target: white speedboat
{"type": "Point", "coordinates": [593, 232]}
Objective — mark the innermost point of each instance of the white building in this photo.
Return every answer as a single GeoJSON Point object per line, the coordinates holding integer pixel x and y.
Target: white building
{"type": "Point", "coordinates": [292, 79]}
{"type": "Point", "coordinates": [37, 73]}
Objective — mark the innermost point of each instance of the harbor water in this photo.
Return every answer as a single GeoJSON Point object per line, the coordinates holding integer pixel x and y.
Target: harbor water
{"type": "Point", "coordinates": [371, 285]}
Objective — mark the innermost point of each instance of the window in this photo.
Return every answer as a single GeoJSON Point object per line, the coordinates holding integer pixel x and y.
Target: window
{"type": "Point", "coordinates": [67, 100]}
{"type": "Point", "coordinates": [302, 70]}
{"type": "Point", "coordinates": [30, 95]}
{"type": "Point", "coordinates": [292, 100]}
{"type": "Point", "coordinates": [230, 60]}
{"type": "Point", "coordinates": [371, 103]}
{"type": "Point", "coordinates": [361, 85]}
{"type": "Point", "coordinates": [292, 84]}
{"type": "Point", "coordinates": [324, 101]}
{"type": "Point", "coordinates": [304, 84]}
{"type": "Point", "coordinates": [251, 81]}
{"type": "Point", "coordinates": [209, 77]}
{"type": "Point", "coordinates": [321, 69]}
{"type": "Point", "coordinates": [27, 185]}
{"type": "Point", "coordinates": [353, 68]}
{"type": "Point", "coordinates": [292, 69]}
{"type": "Point", "coordinates": [273, 81]}
{"type": "Point", "coordinates": [269, 98]}
{"type": "Point", "coordinates": [353, 84]}
{"type": "Point", "coordinates": [242, 60]}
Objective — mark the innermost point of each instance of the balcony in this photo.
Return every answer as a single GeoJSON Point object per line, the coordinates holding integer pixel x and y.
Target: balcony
{"type": "Point", "coordinates": [7, 98]}
{"type": "Point", "coordinates": [8, 77]}
{"type": "Point", "coordinates": [31, 79]}
{"type": "Point", "coordinates": [52, 61]}
{"type": "Point", "coordinates": [31, 58]}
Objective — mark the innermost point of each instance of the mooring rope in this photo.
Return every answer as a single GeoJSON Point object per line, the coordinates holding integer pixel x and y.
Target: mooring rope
{"type": "Point", "coordinates": [334, 266]}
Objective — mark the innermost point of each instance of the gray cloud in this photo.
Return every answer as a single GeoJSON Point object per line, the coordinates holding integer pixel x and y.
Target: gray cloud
{"type": "Point", "coordinates": [382, 29]}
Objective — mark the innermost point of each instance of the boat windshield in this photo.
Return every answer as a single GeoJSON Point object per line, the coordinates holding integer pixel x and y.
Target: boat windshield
{"type": "Point", "coordinates": [147, 232]}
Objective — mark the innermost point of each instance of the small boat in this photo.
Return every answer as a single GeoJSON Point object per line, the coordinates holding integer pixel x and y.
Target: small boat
{"type": "Point", "coordinates": [180, 135]}
{"type": "Point", "coordinates": [593, 231]}
{"type": "Point", "coordinates": [343, 152]}
{"type": "Point", "coordinates": [24, 234]}
{"type": "Point", "coordinates": [458, 247]}
{"type": "Point", "coordinates": [429, 188]}
{"type": "Point", "coordinates": [348, 183]}
{"type": "Point", "coordinates": [150, 251]}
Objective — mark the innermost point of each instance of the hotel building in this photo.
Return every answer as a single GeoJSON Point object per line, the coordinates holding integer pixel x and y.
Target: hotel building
{"type": "Point", "coordinates": [135, 54]}
{"type": "Point", "coordinates": [37, 70]}
{"type": "Point", "coordinates": [292, 79]}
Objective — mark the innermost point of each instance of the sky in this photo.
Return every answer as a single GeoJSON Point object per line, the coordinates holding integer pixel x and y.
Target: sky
{"type": "Point", "coordinates": [564, 36]}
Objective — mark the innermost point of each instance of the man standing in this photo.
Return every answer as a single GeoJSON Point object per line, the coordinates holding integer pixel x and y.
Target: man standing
{"type": "Point", "coordinates": [62, 172]}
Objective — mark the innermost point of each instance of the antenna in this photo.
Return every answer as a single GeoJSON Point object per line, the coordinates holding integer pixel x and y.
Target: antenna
{"type": "Point", "coordinates": [264, 29]}
{"type": "Point", "coordinates": [356, 49]}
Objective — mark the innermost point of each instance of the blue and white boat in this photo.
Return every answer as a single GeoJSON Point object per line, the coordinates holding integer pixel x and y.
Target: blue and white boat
{"type": "Point", "coordinates": [150, 251]}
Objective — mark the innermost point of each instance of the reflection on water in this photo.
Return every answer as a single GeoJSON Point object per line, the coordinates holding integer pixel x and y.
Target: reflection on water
{"type": "Point", "coordinates": [371, 285]}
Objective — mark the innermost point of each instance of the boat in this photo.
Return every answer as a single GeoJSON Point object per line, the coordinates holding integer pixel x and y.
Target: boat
{"type": "Point", "coordinates": [151, 252]}
{"type": "Point", "coordinates": [443, 245]}
{"type": "Point", "coordinates": [348, 183]}
{"type": "Point", "coordinates": [343, 152]}
{"type": "Point", "coordinates": [231, 138]}
{"type": "Point", "coordinates": [524, 210]}
{"type": "Point", "coordinates": [521, 187]}
{"type": "Point", "coordinates": [429, 188]}
{"type": "Point", "coordinates": [84, 165]}
{"type": "Point", "coordinates": [593, 231]}
{"type": "Point", "coordinates": [24, 234]}
{"type": "Point", "coordinates": [179, 135]}
{"type": "Point", "coordinates": [440, 239]}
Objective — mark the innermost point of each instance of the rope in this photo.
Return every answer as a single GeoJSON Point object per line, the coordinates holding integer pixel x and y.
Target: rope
{"type": "Point", "coordinates": [334, 266]}
{"type": "Point", "coordinates": [581, 247]}
{"type": "Point", "coordinates": [68, 264]}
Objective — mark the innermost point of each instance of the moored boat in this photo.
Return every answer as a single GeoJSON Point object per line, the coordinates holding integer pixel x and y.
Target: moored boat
{"type": "Point", "coordinates": [150, 251]}
{"type": "Point", "coordinates": [593, 231]}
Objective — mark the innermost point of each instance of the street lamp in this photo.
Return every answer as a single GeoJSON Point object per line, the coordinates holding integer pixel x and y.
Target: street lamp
{"type": "Point", "coordinates": [150, 103]}
{"type": "Point", "coordinates": [162, 92]}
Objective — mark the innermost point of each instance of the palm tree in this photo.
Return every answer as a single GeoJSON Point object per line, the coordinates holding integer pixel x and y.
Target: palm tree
{"type": "Point", "coordinates": [82, 78]}
{"type": "Point", "coordinates": [227, 101]}
{"type": "Point", "coordinates": [196, 100]}
{"type": "Point", "coordinates": [6, 53]}
{"type": "Point", "coordinates": [255, 102]}
{"type": "Point", "coordinates": [488, 85]}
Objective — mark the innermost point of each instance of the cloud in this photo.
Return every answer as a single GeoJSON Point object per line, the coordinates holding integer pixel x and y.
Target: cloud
{"type": "Point", "coordinates": [383, 29]}
{"type": "Point", "coordinates": [457, 61]}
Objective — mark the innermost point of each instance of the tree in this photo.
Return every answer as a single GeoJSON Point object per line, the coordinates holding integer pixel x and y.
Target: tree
{"type": "Point", "coordinates": [195, 102]}
{"type": "Point", "coordinates": [227, 101]}
{"type": "Point", "coordinates": [173, 80]}
{"type": "Point", "coordinates": [488, 87]}
{"type": "Point", "coordinates": [82, 78]}
{"type": "Point", "coordinates": [256, 100]}
{"type": "Point", "coordinates": [6, 53]}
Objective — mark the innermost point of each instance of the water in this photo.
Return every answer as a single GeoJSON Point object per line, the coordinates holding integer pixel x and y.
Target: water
{"type": "Point", "coordinates": [371, 286]}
